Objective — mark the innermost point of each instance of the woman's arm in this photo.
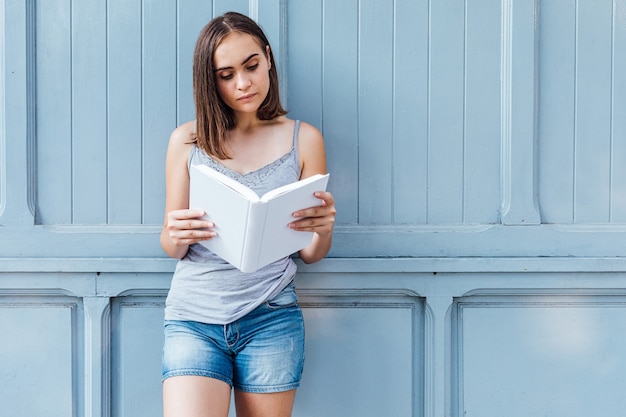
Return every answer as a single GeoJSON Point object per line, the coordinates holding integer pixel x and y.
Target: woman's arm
{"type": "Point", "coordinates": [181, 225]}
{"type": "Point", "coordinates": [320, 220]}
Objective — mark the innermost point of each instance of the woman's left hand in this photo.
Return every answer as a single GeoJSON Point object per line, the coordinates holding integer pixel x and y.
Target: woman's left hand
{"type": "Point", "coordinates": [319, 219]}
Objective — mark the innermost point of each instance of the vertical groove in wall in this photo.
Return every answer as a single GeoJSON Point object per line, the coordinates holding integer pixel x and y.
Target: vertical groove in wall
{"type": "Point", "coordinates": [78, 359]}
{"type": "Point", "coordinates": [3, 153]}
{"type": "Point", "coordinates": [322, 62]}
{"type": "Point", "coordinates": [31, 103]}
{"type": "Point", "coordinates": [575, 110]}
{"type": "Point", "coordinates": [505, 104]}
{"type": "Point", "coordinates": [464, 115]}
{"type": "Point", "coordinates": [107, 157]}
{"type": "Point", "coordinates": [394, 29]}
{"type": "Point", "coordinates": [282, 58]}
{"type": "Point", "coordinates": [358, 106]}
{"type": "Point", "coordinates": [141, 111]}
{"type": "Point", "coordinates": [106, 358]}
{"type": "Point", "coordinates": [612, 114]}
{"type": "Point", "coordinates": [71, 116]}
{"type": "Point", "coordinates": [456, 361]}
{"type": "Point", "coordinates": [430, 399]}
{"type": "Point", "coordinates": [177, 66]}
{"type": "Point", "coordinates": [428, 73]}
{"type": "Point", "coordinates": [253, 9]}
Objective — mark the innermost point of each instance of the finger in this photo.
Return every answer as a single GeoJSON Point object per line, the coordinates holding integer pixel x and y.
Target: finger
{"type": "Point", "coordinates": [326, 196]}
{"type": "Point", "coordinates": [191, 214]}
{"type": "Point", "coordinates": [201, 234]}
{"type": "Point", "coordinates": [196, 224]}
{"type": "Point", "coordinates": [189, 237]}
{"type": "Point", "coordinates": [313, 223]}
{"type": "Point", "coordinates": [186, 214]}
{"type": "Point", "coordinates": [318, 211]}
{"type": "Point", "coordinates": [190, 224]}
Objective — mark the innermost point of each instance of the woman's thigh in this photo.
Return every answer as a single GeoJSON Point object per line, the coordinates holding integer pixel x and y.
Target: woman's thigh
{"type": "Point", "coordinates": [277, 404]}
{"type": "Point", "coordinates": [195, 396]}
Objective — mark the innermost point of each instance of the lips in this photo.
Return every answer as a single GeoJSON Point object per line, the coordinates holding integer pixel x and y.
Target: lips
{"type": "Point", "coordinates": [247, 97]}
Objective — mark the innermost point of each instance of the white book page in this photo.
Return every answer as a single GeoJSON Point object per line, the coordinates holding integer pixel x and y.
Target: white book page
{"type": "Point", "coordinates": [227, 208]}
{"type": "Point", "coordinates": [226, 180]}
{"type": "Point", "coordinates": [295, 185]}
{"type": "Point", "coordinates": [278, 239]}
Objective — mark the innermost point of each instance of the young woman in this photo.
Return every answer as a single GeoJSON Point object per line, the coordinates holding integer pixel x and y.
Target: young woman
{"type": "Point", "coordinates": [225, 328]}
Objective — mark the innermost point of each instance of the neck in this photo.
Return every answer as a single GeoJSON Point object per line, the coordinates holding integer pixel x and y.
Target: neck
{"type": "Point", "coordinates": [245, 122]}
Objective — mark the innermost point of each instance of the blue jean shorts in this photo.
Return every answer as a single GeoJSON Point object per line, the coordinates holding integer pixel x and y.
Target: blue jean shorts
{"type": "Point", "coordinates": [262, 352]}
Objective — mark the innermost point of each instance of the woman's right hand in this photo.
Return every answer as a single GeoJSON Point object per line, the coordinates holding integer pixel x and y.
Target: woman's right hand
{"type": "Point", "coordinates": [185, 227]}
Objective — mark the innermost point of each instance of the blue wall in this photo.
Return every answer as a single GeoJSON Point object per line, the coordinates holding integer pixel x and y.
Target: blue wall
{"type": "Point", "coordinates": [477, 155]}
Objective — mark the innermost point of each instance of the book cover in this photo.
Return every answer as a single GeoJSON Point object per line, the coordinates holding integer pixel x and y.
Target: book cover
{"type": "Point", "coordinates": [252, 231]}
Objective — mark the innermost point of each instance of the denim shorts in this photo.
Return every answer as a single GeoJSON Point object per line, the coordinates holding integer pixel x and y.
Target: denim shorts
{"type": "Point", "coordinates": [262, 352]}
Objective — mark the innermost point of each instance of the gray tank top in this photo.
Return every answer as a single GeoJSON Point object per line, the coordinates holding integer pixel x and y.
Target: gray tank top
{"type": "Point", "coordinates": [206, 288]}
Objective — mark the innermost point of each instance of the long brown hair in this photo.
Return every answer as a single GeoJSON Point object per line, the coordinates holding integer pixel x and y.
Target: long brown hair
{"type": "Point", "coordinates": [213, 117]}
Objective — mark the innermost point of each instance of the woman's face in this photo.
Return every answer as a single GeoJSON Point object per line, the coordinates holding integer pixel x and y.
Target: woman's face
{"type": "Point", "coordinates": [242, 72]}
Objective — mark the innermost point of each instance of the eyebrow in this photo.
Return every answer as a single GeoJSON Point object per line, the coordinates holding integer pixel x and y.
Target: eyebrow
{"type": "Point", "coordinates": [243, 63]}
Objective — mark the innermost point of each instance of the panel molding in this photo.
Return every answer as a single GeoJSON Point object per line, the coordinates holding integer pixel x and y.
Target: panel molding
{"type": "Point", "coordinates": [519, 130]}
{"type": "Point", "coordinates": [17, 150]}
{"type": "Point", "coordinates": [68, 267]}
{"type": "Point", "coordinates": [525, 298]}
{"type": "Point", "coordinates": [135, 366]}
{"type": "Point", "coordinates": [55, 299]}
{"type": "Point", "coordinates": [97, 356]}
{"type": "Point", "coordinates": [348, 298]}
{"type": "Point", "coordinates": [436, 353]}
{"type": "Point", "coordinates": [490, 241]}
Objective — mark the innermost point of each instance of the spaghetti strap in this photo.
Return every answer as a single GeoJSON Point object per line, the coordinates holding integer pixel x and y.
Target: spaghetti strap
{"type": "Point", "coordinates": [296, 155]}
{"type": "Point", "coordinates": [296, 130]}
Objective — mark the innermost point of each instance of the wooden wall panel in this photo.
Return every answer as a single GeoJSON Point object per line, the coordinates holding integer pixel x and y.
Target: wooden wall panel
{"type": "Point", "coordinates": [476, 152]}
{"type": "Point", "coordinates": [482, 113]}
{"type": "Point", "coordinates": [124, 111]}
{"type": "Point", "coordinates": [54, 108]}
{"type": "Point", "coordinates": [399, 97]}
{"type": "Point", "coordinates": [88, 68]}
{"type": "Point", "coordinates": [107, 100]}
{"type": "Point", "coordinates": [446, 108]}
{"type": "Point", "coordinates": [558, 355]}
{"type": "Point", "coordinates": [592, 136]}
{"type": "Point", "coordinates": [137, 342]}
{"type": "Point", "coordinates": [618, 116]}
{"type": "Point", "coordinates": [410, 113]}
{"type": "Point", "coordinates": [579, 84]}
{"type": "Point", "coordinates": [42, 355]}
{"type": "Point", "coordinates": [339, 324]}
{"type": "Point", "coordinates": [375, 104]}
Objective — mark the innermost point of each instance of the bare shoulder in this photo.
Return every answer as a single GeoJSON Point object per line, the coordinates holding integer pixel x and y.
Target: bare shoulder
{"type": "Point", "coordinates": [181, 139]}
{"type": "Point", "coordinates": [309, 135]}
{"type": "Point", "coordinates": [311, 150]}
{"type": "Point", "coordinates": [183, 134]}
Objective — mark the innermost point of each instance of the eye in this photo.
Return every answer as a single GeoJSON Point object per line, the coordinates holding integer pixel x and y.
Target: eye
{"type": "Point", "coordinates": [253, 67]}
{"type": "Point", "coordinates": [226, 76]}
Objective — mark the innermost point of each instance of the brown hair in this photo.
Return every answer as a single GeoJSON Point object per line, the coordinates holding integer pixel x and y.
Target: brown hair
{"type": "Point", "coordinates": [213, 117]}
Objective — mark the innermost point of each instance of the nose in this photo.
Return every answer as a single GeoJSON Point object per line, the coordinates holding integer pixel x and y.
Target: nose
{"type": "Point", "coordinates": [243, 81]}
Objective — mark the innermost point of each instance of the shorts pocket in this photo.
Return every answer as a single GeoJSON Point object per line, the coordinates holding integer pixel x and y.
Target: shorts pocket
{"type": "Point", "coordinates": [286, 298]}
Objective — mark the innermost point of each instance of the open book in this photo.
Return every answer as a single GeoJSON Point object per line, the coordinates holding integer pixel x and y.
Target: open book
{"type": "Point", "coordinates": [252, 231]}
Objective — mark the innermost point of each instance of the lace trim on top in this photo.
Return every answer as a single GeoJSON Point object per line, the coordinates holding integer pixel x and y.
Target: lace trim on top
{"type": "Point", "coordinates": [250, 179]}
